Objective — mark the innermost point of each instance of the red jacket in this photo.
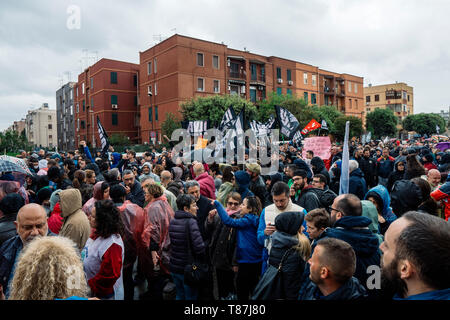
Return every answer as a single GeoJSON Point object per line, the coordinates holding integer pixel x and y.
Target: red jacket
{"type": "Point", "coordinates": [207, 186]}
{"type": "Point", "coordinates": [55, 221]}
{"type": "Point", "coordinates": [443, 194]}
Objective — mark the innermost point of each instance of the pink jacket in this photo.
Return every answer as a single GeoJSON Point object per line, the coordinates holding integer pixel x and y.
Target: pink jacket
{"type": "Point", "coordinates": [207, 186]}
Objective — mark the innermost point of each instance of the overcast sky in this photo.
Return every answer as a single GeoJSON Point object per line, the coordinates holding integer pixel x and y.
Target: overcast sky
{"type": "Point", "coordinates": [382, 41]}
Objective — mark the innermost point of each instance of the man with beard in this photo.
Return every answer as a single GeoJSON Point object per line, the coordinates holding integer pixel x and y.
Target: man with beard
{"type": "Point", "coordinates": [31, 223]}
{"type": "Point", "coordinates": [416, 258]}
{"type": "Point", "coordinates": [303, 194]}
{"type": "Point", "coordinates": [332, 266]}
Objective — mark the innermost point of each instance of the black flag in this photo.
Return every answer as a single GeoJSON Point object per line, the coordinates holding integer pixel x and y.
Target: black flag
{"type": "Point", "coordinates": [288, 122]}
{"type": "Point", "coordinates": [103, 137]}
{"type": "Point", "coordinates": [228, 119]}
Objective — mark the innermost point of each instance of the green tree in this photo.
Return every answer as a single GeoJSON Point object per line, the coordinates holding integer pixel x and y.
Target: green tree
{"type": "Point", "coordinates": [170, 125]}
{"type": "Point", "coordinates": [12, 141]}
{"type": "Point", "coordinates": [214, 107]}
{"type": "Point", "coordinates": [118, 139]}
{"type": "Point", "coordinates": [381, 122]}
{"type": "Point", "coordinates": [356, 127]}
{"type": "Point", "coordinates": [424, 123]}
{"type": "Point", "coordinates": [329, 114]}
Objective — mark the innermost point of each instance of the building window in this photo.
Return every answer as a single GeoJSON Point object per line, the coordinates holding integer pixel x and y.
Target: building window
{"type": "Point", "coordinates": [92, 83]}
{"type": "Point", "coordinates": [82, 88]}
{"type": "Point", "coordinates": [305, 78]}
{"type": "Point", "coordinates": [278, 73]}
{"type": "Point", "coordinates": [113, 77]}
{"type": "Point", "coordinates": [356, 88]}
{"type": "Point", "coordinates": [356, 103]}
{"type": "Point", "coordinates": [115, 119]}
{"type": "Point", "coordinates": [200, 84]}
{"type": "Point", "coordinates": [313, 80]}
{"type": "Point", "coordinates": [279, 91]}
{"type": "Point", "coordinates": [305, 96]}
{"type": "Point", "coordinates": [156, 113]}
{"type": "Point", "coordinates": [135, 80]}
{"type": "Point", "coordinates": [149, 90]}
{"type": "Point", "coordinates": [367, 98]}
{"type": "Point", "coordinates": [82, 124]}
{"type": "Point", "coordinates": [78, 108]}
{"type": "Point", "coordinates": [252, 94]}
{"type": "Point", "coordinates": [313, 98]}
{"type": "Point", "coordinates": [215, 62]}
{"type": "Point", "coordinates": [408, 97]}
{"type": "Point", "coordinates": [149, 68]}
{"type": "Point", "coordinates": [156, 89]}
{"type": "Point", "coordinates": [71, 94]}
{"type": "Point", "coordinates": [253, 72]}
{"type": "Point", "coordinates": [288, 74]}
{"type": "Point", "coordinates": [114, 99]}
{"type": "Point", "coordinates": [84, 105]}
{"type": "Point", "coordinates": [154, 65]}
{"type": "Point", "coordinates": [289, 92]}
{"type": "Point", "coordinates": [377, 97]}
{"type": "Point", "coordinates": [350, 103]}
{"type": "Point", "coordinates": [49, 118]}
{"type": "Point", "coordinates": [150, 116]}
{"type": "Point", "coordinates": [50, 127]}
{"type": "Point", "coordinates": [404, 95]}
{"type": "Point", "coordinates": [135, 100]}
{"type": "Point", "coordinates": [349, 87]}
{"type": "Point", "coordinates": [50, 137]}
{"type": "Point", "coordinates": [216, 84]}
{"type": "Point", "coordinates": [200, 59]}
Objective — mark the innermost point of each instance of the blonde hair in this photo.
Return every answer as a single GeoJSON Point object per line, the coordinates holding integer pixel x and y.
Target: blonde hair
{"type": "Point", "coordinates": [304, 246]}
{"type": "Point", "coordinates": [49, 268]}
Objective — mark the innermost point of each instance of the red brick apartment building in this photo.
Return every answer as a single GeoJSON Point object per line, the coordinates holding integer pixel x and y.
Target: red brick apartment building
{"type": "Point", "coordinates": [180, 68]}
{"type": "Point", "coordinates": [107, 89]}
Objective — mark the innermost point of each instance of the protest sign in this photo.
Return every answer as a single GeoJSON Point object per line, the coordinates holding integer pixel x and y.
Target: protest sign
{"type": "Point", "coordinates": [321, 146]}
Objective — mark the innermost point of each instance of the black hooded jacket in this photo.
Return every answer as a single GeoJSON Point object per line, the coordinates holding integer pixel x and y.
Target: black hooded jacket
{"type": "Point", "coordinates": [319, 168]}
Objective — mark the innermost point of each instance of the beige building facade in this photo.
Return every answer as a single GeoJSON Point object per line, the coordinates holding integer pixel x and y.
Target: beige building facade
{"type": "Point", "coordinates": [399, 97]}
{"type": "Point", "coordinates": [40, 127]}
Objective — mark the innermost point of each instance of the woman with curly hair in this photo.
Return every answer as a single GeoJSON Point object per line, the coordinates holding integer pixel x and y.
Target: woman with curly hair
{"type": "Point", "coordinates": [104, 252]}
{"type": "Point", "coordinates": [49, 268]}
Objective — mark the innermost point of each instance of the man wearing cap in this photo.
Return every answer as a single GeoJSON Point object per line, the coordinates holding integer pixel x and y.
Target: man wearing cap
{"type": "Point", "coordinates": [257, 185]}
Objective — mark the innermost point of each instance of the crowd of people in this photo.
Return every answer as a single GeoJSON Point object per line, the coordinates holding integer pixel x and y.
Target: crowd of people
{"type": "Point", "coordinates": [128, 227]}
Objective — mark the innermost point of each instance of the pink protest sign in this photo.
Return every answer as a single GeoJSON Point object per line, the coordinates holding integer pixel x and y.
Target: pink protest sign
{"type": "Point", "coordinates": [321, 146]}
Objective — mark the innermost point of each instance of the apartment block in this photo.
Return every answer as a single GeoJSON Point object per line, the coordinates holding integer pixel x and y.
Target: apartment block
{"type": "Point", "coordinates": [65, 117]}
{"type": "Point", "coordinates": [108, 90]}
{"type": "Point", "coordinates": [181, 68]}
{"type": "Point", "coordinates": [40, 127]}
{"type": "Point", "coordinates": [399, 97]}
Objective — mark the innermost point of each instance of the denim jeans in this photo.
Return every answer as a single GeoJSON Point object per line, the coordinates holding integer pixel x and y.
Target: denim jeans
{"type": "Point", "coordinates": [184, 292]}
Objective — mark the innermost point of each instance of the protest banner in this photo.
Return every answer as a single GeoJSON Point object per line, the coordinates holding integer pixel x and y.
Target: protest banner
{"type": "Point", "coordinates": [321, 146]}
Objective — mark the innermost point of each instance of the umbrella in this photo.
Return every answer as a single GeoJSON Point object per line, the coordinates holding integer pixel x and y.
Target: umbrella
{"type": "Point", "coordinates": [443, 146]}
{"type": "Point", "coordinates": [9, 166]}
{"type": "Point", "coordinates": [20, 162]}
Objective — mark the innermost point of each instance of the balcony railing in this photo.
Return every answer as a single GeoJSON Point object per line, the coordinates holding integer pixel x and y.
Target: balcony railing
{"type": "Point", "coordinates": [237, 75]}
{"type": "Point", "coordinates": [258, 78]}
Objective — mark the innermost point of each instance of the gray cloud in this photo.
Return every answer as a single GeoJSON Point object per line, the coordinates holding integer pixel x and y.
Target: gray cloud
{"type": "Point", "coordinates": [383, 41]}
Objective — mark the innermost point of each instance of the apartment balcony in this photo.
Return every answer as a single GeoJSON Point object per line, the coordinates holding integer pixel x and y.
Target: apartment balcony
{"type": "Point", "coordinates": [237, 75]}
{"type": "Point", "coordinates": [329, 91]}
{"type": "Point", "coordinates": [258, 80]}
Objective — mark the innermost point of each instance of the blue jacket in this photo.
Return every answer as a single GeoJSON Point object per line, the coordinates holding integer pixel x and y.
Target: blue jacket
{"type": "Point", "coordinates": [248, 249]}
{"type": "Point", "coordinates": [354, 230]}
{"type": "Point", "coordinates": [384, 195]}
{"type": "Point", "coordinates": [351, 290]}
{"type": "Point", "coordinates": [385, 166]}
{"type": "Point", "coordinates": [116, 157]}
{"type": "Point", "coordinates": [357, 184]}
{"type": "Point", "coordinates": [431, 295]}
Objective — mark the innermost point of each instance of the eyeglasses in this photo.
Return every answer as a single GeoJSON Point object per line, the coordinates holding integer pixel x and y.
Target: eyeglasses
{"type": "Point", "coordinates": [330, 208]}
{"type": "Point", "coordinates": [233, 203]}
